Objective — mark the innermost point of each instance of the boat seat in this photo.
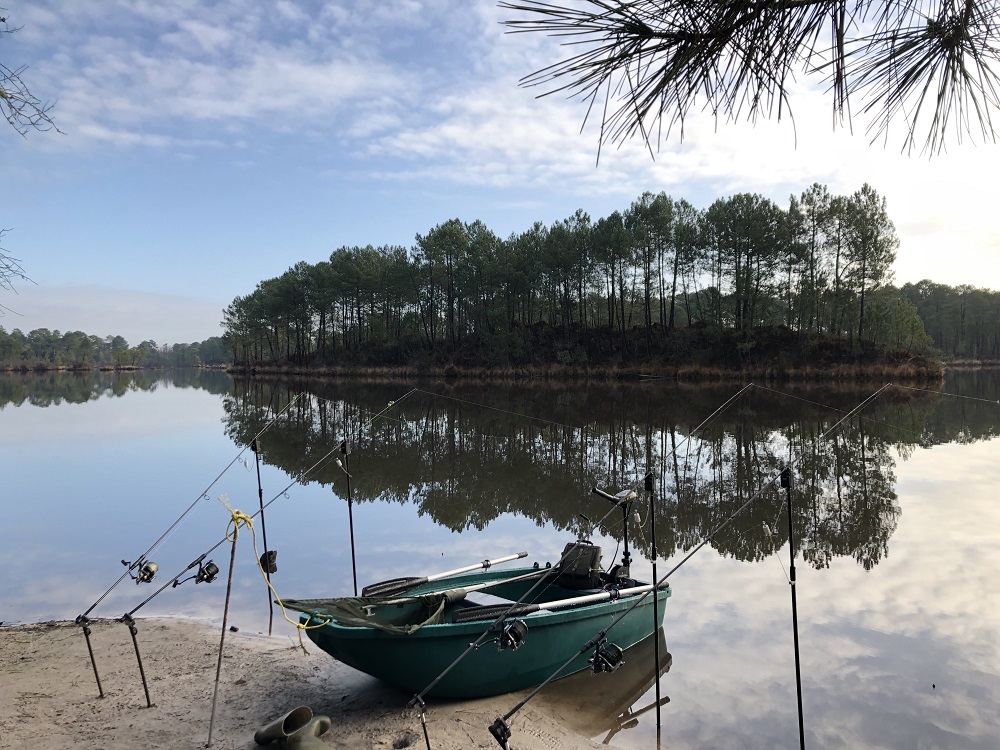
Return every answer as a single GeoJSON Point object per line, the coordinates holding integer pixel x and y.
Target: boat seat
{"type": "Point", "coordinates": [580, 566]}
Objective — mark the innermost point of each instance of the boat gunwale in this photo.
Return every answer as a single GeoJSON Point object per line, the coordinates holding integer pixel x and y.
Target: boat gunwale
{"type": "Point", "coordinates": [539, 618]}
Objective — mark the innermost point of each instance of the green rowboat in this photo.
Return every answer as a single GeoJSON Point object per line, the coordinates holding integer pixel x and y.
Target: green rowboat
{"type": "Point", "coordinates": [538, 618]}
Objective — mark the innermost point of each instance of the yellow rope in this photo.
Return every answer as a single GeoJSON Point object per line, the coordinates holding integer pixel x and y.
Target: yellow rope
{"type": "Point", "coordinates": [238, 518]}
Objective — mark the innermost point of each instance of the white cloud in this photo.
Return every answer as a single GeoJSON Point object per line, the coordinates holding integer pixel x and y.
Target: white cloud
{"type": "Point", "coordinates": [410, 92]}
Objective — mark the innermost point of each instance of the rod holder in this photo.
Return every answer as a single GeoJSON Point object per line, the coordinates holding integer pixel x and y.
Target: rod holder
{"type": "Point", "coordinates": [500, 732]}
{"type": "Point", "coordinates": [128, 620]}
{"type": "Point", "coordinates": [84, 624]}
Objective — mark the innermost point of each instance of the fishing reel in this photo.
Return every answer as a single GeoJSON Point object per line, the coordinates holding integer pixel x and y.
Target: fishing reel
{"type": "Point", "coordinates": [146, 570]}
{"type": "Point", "coordinates": [513, 635]}
{"type": "Point", "coordinates": [607, 657]}
{"type": "Point", "coordinates": [206, 573]}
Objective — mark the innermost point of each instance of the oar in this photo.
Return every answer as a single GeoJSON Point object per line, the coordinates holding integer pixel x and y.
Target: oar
{"type": "Point", "coordinates": [395, 585]}
{"type": "Point", "coordinates": [459, 593]}
{"type": "Point", "coordinates": [491, 613]}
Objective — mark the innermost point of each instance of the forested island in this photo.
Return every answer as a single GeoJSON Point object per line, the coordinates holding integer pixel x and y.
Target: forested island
{"type": "Point", "coordinates": [660, 288]}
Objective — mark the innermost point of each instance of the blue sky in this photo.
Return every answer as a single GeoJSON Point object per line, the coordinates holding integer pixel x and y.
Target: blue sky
{"type": "Point", "coordinates": [207, 146]}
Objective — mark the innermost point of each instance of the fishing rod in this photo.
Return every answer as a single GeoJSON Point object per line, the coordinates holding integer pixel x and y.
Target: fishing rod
{"type": "Point", "coordinates": [501, 730]}
{"type": "Point", "coordinates": [207, 573]}
{"type": "Point", "coordinates": [323, 460]}
{"type": "Point", "coordinates": [147, 569]}
{"type": "Point", "coordinates": [208, 576]}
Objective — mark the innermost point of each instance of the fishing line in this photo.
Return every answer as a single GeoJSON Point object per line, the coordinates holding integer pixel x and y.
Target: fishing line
{"type": "Point", "coordinates": [319, 463]}
{"type": "Point", "coordinates": [709, 418]}
{"type": "Point", "coordinates": [128, 619]}
{"type": "Point", "coordinates": [497, 408]}
{"type": "Point", "coordinates": [379, 414]}
{"type": "Point", "coordinates": [325, 459]}
{"type": "Point", "coordinates": [704, 423]}
{"type": "Point", "coordinates": [593, 642]}
{"type": "Point", "coordinates": [955, 395]}
{"type": "Point", "coordinates": [417, 700]}
{"type": "Point", "coordinates": [204, 574]}
{"type": "Point", "coordinates": [866, 419]}
{"type": "Point", "coordinates": [139, 561]}
{"type": "Point", "coordinates": [767, 486]}
{"type": "Point", "coordinates": [175, 581]}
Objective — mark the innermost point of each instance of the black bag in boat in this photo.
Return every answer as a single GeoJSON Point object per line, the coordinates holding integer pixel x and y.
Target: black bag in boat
{"type": "Point", "coordinates": [580, 566]}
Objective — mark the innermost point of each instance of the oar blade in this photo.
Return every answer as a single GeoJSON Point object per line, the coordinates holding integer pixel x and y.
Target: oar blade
{"type": "Point", "coordinates": [392, 586]}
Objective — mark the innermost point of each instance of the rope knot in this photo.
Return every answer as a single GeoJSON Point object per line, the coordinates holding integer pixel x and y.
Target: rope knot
{"type": "Point", "coordinates": [237, 518]}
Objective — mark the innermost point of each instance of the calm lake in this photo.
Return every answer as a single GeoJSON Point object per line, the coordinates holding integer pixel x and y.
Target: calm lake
{"type": "Point", "coordinates": [895, 519]}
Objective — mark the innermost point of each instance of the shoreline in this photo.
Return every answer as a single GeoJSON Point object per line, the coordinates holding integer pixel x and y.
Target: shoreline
{"type": "Point", "coordinates": [49, 698]}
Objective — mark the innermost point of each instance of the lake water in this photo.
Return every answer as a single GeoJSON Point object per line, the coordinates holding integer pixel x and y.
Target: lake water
{"type": "Point", "coordinates": [895, 520]}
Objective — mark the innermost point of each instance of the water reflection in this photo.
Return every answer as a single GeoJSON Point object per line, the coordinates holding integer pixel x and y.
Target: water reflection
{"type": "Point", "coordinates": [465, 456]}
{"type": "Point", "coordinates": [602, 706]}
{"type": "Point", "coordinates": [55, 387]}
{"type": "Point", "coordinates": [878, 629]}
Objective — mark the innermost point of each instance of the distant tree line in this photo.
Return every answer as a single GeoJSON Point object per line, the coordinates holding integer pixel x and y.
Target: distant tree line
{"type": "Point", "coordinates": [963, 321]}
{"type": "Point", "coordinates": [44, 349]}
{"type": "Point", "coordinates": [819, 267]}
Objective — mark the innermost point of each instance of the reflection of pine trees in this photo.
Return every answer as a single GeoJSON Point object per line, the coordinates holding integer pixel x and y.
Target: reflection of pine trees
{"type": "Point", "coordinates": [464, 464]}
{"type": "Point", "coordinates": [54, 387]}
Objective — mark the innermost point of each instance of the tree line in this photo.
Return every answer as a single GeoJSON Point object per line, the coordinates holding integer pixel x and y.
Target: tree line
{"type": "Point", "coordinates": [820, 267]}
{"type": "Point", "coordinates": [615, 288]}
{"type": "Point", "coordinates": [42, 349]}
{"type": "Point", "coordinates": [963, 321]}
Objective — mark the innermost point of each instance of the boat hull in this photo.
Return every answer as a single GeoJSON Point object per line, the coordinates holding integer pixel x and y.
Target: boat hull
{"type": "Point", "coordinates": [554, 639]}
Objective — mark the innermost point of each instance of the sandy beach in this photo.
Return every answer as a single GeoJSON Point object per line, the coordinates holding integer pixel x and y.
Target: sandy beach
{"type": "Point", "coordinates": [49, 696]}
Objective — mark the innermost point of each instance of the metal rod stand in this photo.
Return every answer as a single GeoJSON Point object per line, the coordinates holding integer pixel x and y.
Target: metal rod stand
{"type": "Point", "coordinates": [656, 618]}
{"type": "Point", "coordinates": [255, 447]}
{"type": "Point", "coordinates": [345, 451]}
{"type": "Point", "coordinates": [84, 623]}
{"type": "Point", "coordinates": [128, 620]}
{"type": "Point", "coordinates": [222, 640]}
{"type": "Point", "coordinates": [786, 482]}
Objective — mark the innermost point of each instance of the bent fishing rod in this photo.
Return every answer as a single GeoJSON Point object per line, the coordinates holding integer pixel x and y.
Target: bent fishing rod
{"type": "Point", "coordinates": [206, 573]}
{"type": "Point", "coordinates": [146, 569]}
{"type": "Point", "coordinates": [202, 575]}
{"type": "Point", "coordinates": [501, 730]}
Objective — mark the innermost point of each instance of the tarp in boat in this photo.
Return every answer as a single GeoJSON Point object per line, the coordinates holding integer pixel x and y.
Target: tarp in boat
{"type": "Point", "coordinates": [402, 616]}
